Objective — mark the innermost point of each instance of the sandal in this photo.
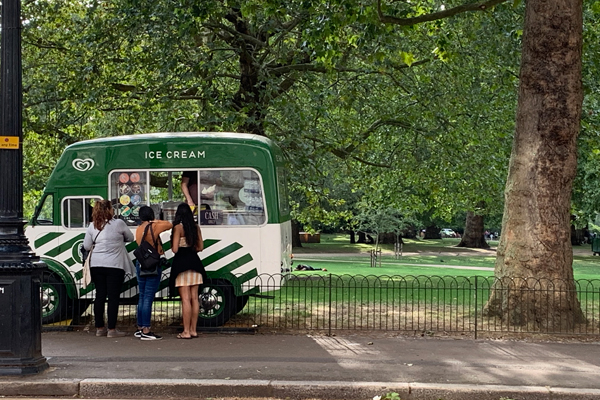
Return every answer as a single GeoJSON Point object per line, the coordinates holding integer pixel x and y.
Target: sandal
{"type": "Point", "coordinates": [194, 336]}
{"type": "Point", "coordinates": [182, 337]}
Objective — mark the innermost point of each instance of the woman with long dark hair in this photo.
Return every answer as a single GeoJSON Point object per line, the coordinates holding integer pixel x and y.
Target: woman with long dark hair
{"type": "Point", "coordinates": [108, 265]}
{"type": "Point", "coordinates": [187, 271]}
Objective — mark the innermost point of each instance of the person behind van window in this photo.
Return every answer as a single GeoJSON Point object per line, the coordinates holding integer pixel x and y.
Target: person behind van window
{"type": "Point", "coordinates": [187, 271]}
{"type": "Point", "coordinates": [189, 187]}
{"type": "Point", "coordinates": [148, 284]}
{"type": "Point", "coordinates": [109, 263]}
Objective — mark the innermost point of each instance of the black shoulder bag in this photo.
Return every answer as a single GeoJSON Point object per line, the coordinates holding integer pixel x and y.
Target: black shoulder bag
{"type": "Point", "coordinates": [147, 255]}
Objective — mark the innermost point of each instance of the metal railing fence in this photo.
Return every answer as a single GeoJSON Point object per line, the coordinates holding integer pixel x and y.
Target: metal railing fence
{"type": "Point", "coordinates": [327, 302]}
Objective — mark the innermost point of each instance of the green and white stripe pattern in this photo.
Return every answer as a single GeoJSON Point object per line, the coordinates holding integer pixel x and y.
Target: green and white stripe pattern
{"type": "Point", "coordinates": [222, 258]}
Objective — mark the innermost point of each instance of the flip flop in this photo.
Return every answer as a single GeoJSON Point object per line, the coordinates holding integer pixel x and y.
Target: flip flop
{"type": "Point", "coordinates": [194, 336]}
{"type": "Point", "coordinates": [182, 337]}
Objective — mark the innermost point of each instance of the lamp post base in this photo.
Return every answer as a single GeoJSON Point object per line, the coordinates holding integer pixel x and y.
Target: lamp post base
{"type": "Point", "coordinates": [23, 366]}
{"type": "Point", "coordinates": [21, 319]}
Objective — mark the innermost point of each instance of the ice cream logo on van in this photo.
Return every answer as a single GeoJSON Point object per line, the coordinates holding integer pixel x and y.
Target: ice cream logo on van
{"type": "Point", "coordinates": [83, 164]}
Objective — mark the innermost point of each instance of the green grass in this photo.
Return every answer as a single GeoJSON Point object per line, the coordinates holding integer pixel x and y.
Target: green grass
{"type": "Point", "coordinates": [433, 286]}
{"type": "Point", "coordinates": [440, 257]}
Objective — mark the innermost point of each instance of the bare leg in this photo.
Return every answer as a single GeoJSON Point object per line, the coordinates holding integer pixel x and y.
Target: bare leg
{"type": "Point", "coordinates": [186, 310]}
{"type": "Point", "coordinates": [195, 308]}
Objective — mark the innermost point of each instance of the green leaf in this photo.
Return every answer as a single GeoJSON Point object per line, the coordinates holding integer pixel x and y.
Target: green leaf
{"type": "Point", "coordinates": [407, 58]}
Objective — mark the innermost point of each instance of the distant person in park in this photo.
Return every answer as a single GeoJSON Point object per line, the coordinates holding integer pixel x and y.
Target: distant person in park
{"type": "Point", "coordinates": [108, 265]}
{"type": "Point", "coordinates": [303, 267]}
{"type": "Point", "coordinates": [148, 285]}
{"type": "Point", "coordinates": [187, 270]}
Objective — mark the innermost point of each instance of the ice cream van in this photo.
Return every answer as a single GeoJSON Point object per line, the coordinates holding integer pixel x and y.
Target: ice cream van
{"type": "Point", "coordinates": [238, 181]}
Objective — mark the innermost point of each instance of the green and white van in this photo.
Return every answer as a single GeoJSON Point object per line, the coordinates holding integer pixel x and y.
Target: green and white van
{"type": "Point", "coordinates": [243, 212]}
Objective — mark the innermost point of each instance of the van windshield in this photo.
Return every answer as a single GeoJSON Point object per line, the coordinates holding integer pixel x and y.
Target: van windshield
{"type": "Point", "coordinates": [44, 214]}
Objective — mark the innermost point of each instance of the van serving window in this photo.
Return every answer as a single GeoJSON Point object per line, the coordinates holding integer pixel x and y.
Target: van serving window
{"type": "Point", "coordinates": [231, 197]}
{"type": "Point", "coordinates": [220, 196]}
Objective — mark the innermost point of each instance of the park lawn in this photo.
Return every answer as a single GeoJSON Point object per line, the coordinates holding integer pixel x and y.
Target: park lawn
{"type": "Point", "coordinates": [422, 257]}
{"type": "Point", "coordinates": [340, 243]}
{"type": "Point", "coordinates": [431, 272]}
{"type": "Point", "coordinates": [339, 265]}
{"type": "Point", "coordinates": [432, 275]}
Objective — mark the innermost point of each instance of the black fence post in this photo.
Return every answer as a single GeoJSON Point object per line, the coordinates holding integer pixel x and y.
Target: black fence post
{"type": "Point", "coordinates": [330, 295]}
{"type": "Point", "coordinates": [476, 307]}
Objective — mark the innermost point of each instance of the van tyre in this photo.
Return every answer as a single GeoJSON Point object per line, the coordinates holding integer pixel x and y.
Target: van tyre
{"type": "Point", "coordinates": [54, 300]}
{"type": "Point", "coordinates": [217, 303]}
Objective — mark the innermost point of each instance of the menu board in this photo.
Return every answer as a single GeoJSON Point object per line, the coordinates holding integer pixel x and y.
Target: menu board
{"type": "Point", "coordinates": [130, 188]}
{"type": "Point", "coordinates": [251, 195]}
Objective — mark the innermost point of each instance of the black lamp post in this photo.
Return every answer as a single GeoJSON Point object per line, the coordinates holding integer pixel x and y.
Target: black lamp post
{"type": "Point", "coordinates": [20, 268]}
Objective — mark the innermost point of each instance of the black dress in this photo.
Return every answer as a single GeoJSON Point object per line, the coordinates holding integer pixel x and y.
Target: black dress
{"type": "Point", "coordinates": [185, 259]}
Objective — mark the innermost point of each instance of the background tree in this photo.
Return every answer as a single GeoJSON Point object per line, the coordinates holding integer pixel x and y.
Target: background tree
{"type": "Point", "coordinates": [473, 235]}
{"type": "Point", "coordinates": [586, 191]}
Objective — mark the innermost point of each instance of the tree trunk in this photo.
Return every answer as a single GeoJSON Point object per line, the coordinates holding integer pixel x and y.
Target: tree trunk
{"type": "Point", "coordinates": [432, 232]}
{"type": "Point", "coordinates": [296, 234]}
{"type": "Point", "coordinates": [352, 237]}
{"type": "Point", "coordinates": [473, 236]}
{"type": "Point", "coordinates": [362, 237]}
{"type": "Point", "coordinates": [534, 284]}
{"type": "Point", "coordinates": [387, 238]}
{"type": "Point", "coordinates": [576, 234]}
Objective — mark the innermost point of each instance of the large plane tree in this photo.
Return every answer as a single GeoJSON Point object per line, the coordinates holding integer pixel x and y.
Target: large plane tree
{"type": "Point", "coordinates": [534, 254]}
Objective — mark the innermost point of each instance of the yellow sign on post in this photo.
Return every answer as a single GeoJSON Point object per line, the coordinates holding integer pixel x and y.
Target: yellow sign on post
{"type": "Point", "coordinates": [9, 142]}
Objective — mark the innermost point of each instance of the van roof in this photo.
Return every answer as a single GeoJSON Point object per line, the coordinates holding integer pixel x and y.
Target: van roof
{"type": "Point", "coordinates": [175, 136]}
{"type": "Point", "coordinates": [88, 162]}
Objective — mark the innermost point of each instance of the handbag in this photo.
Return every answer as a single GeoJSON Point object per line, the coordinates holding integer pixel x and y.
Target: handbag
{"type": "Point", "coordinates": [147, 255]}
{"type": "Point", "coordinates": [153, 272]}
{"type": "Point", "coordinates": [86, 255]}
{"type": "Point", "coordinates": [148, 272]}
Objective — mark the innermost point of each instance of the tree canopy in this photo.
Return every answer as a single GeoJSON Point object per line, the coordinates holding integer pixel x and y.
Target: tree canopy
{"type": "Point", "coordinates": [408, 105]}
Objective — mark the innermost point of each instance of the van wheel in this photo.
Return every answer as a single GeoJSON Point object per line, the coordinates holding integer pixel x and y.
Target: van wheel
{"type": "Point", "coordinates": [54, 299]}
{"type": "Point", "coordinates": [217, 303]}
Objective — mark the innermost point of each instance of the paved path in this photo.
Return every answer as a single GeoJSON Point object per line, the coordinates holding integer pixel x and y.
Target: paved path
{"type": "Point", "coordinates": [304, 366]}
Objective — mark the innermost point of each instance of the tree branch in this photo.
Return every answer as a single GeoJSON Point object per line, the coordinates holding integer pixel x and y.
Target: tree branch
{"type": "Point", "coordinates": [374, 126]}
{"type": "Point", "coordinates": [480, 6]}
{"type": "Point", "coordinates": [233, 32]}
{"type": "Point", "coordinates": [42, 45]}
{"type": "Point", "coordinates": [278, 71]}
{"type": "Point", "coordinates": [286, 28]}
{"type": "Point", "coordinates": [363, 161]}
{"type": "Point", "coordinates": [121, 87]}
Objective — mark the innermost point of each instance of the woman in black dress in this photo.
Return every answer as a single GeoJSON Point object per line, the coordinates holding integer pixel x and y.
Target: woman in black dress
{"type": "Point", "coordinates": [187, 271]}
